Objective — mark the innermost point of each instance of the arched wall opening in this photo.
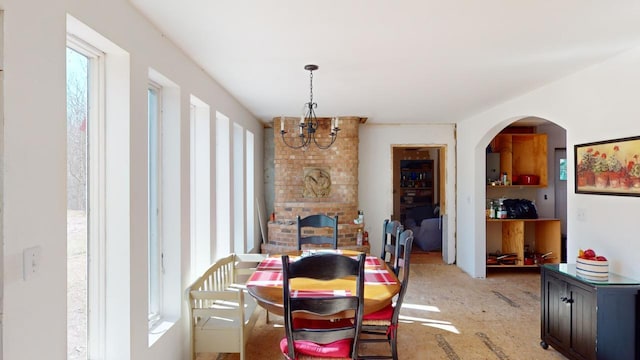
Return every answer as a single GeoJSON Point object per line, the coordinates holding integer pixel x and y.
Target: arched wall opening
{"type": "Point", "coordinates": [550, 200]}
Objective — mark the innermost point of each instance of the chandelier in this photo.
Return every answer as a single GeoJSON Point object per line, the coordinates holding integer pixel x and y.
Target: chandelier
{"type": "Point", "coordinates": [308, 125]}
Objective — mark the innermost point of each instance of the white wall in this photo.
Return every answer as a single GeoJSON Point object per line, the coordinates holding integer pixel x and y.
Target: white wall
{"type": "Point", "coordinates": [375, 190]}
{"type": "Point", "coordinates": [598, 103]}
{"type": "Point", "coordinates": [34, 190]}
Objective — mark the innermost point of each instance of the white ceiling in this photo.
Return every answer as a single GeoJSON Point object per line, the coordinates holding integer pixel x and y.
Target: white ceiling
{"type": "Point", "coordinates": [403, 61]}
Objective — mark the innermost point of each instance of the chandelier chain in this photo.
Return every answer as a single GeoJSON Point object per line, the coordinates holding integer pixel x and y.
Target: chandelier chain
{"type": "Point", "coordinates": [311, 86]}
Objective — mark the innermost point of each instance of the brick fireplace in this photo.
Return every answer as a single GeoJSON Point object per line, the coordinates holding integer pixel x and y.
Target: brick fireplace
{"type": "Point", "coordinates": [315, 181]}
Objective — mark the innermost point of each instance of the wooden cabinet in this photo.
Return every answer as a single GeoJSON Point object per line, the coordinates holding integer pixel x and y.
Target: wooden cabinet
{"type": "Point", "coordinates": [541, 236]}
{"type": "Point", "coordinates": [416, 185]}
{"type": "Point", "coordinates": [583, 319]}
{"type": "Point", "coordinates": [522, 154]}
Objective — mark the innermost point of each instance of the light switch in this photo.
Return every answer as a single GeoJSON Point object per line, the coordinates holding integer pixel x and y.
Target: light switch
{"type": "Point", "coordinates": [30, 262]}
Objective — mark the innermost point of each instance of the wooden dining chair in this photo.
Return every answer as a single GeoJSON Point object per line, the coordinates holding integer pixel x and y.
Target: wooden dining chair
{"type": "Point", "coordinates": [320, 339]}
{"type": "Point", "coordinates": [391, 230]}
{"type": "Point", "coordinates": [318, 221]}
{"type": "Point", "coordinates": [382, 325]}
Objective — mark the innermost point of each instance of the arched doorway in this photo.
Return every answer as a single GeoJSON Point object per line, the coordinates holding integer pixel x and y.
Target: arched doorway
{"type": "Point", "coordinates": [548, 198]}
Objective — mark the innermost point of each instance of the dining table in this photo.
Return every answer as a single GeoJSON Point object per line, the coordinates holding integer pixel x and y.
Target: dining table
{"type": "Point", "coordinates": [265, 284]}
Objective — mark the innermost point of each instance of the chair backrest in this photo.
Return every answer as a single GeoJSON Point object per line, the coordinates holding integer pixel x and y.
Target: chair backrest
{"type": "Point", "coordinates": [323, 267]}
{"type": "Point", "coordinates": [403, 255]}
{"type": "Point", "coordinates": [391, 230]}
{"type": "Point", "coordinates": [318, 221]}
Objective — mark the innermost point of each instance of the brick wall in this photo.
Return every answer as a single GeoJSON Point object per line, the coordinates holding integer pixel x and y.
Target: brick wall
{"type": "Point", "coordinates": [340, 161]}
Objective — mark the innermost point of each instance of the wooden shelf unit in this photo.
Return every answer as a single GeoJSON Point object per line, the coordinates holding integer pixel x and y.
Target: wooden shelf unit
{"type": "Point", "coordinates": [546, 239]}
{"type": "Point", "coordinates": [416, 182]}
{"type": "Point", "coordinates": [522, 154]}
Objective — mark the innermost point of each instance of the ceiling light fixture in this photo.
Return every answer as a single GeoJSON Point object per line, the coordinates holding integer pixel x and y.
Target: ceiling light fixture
{"type": "Point", "coordinates": [309, 123]}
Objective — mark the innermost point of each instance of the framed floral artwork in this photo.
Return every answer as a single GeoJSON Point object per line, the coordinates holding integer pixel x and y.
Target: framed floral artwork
{"type": "Point", "coordinates": [610, 167]}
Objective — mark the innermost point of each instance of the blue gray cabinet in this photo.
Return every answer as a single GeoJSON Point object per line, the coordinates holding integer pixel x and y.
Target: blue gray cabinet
{"type": "Point", "coordinates": [588, 319]}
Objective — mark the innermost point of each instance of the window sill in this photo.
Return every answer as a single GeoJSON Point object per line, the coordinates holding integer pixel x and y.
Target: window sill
{"type": "Point", "coordinates": [159, 329]}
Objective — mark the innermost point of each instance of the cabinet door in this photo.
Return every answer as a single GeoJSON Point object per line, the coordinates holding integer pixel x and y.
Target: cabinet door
{"type": "Point", "coordinates": [558, 315]}
{"type": "Point", "coordinates": [583, 321]}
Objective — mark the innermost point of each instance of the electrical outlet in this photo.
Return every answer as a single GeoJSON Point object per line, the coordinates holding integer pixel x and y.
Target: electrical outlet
{"type": "Point", "coordinates": [30, 262]}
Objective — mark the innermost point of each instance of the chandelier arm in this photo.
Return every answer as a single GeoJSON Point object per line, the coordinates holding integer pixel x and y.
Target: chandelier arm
{"type": "Point", "coordinates": [325, 147]}
{"type": "Point", "coordinates": [305, 138]}
{"type": "Point", "coordinates": [334, 137]}
{"type": "Point", "coordinates": [305, 141]}
{"type": "Point", "coordinates": [333, 134]}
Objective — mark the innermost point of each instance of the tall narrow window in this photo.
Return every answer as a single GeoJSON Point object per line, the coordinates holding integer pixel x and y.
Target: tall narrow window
{"type": "Point", "coordinates": [85, 202]}
{"type": "Point", "coordinates": [105, 126]}
{"type": "Point", "coordinates": [223, 185]}
{"type": "Point", "coordinates": [164, 199]}
{"type": "Point", "coordinates": [562, 170]}
{"type": "Point", "coordinates": [200, 187]}
{"type": "Point", "coordinates": [164, 205]}
{"type": "Point", "coordinates": [154, 205]}
{"type": "Point", "coordinates": [77, 209]}
{"type": "Point", "coordinates": [239, 235]}
{"type": "Point", "coordinates": [251, 204]}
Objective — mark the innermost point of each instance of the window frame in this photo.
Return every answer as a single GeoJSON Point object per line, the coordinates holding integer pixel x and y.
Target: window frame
{"type": "Point", "coordinates": [200, 183]}
{"type": "Point", "coordinates": [155, 266]}
{"type": "Point", "coordinates": [96, 195]}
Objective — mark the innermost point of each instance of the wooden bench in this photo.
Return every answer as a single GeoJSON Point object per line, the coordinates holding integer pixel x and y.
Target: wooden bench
{"type": "Point", "coordinates": [222, 313]}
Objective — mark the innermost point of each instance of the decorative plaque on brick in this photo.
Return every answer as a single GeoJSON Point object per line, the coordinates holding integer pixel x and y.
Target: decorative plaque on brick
{"type": "Point", "coordinates": [317, 183]}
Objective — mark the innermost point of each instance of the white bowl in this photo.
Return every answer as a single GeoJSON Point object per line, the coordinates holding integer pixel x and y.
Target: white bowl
{"type": "Point", "coordinates": [592, 268]}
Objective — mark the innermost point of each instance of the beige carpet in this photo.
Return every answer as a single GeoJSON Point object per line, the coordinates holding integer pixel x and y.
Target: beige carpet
{"type": "Point", "coordinates": [448, 315]}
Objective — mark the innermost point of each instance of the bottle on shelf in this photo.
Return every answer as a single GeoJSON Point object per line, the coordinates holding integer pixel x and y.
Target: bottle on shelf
{"type": "Point", "coordinates": [359, 237]}
{"type": "Point", "coordinates": [491, 214]}
{"type": "Point", "coordinates": [502, 210]}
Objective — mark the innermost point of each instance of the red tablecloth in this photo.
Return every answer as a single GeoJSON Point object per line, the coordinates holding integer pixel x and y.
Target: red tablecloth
{"type": "Point", "coordinates": [269, 273]}
{"type": "Point", "coordinates": [265, 284]}
{"type": "Point", "coordinates": [275, 263]}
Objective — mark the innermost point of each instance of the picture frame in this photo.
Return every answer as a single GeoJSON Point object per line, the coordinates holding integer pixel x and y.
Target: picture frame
{"type": "Point", "coordinates": [609, 167]}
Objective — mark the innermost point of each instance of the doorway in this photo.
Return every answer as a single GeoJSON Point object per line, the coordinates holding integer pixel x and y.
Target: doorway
{"type": "Point", "coordinates": [419, 194]}
{"type": "Point", "coordinates": [560, 195]}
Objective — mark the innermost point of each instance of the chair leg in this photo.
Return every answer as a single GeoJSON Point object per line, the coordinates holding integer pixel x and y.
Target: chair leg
{"type": "Point", "coordinates": [394, 343]}
{"type": "Point", "coordinates": [267, 320]}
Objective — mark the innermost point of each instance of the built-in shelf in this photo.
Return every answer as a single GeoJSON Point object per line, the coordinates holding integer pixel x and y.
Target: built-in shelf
{"type": "Point", "coordinates": [522, 154]}
{"type": "Point", "coordinates": [416, 185]}
{"type": "Point", "coordinates": [513, 266]}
